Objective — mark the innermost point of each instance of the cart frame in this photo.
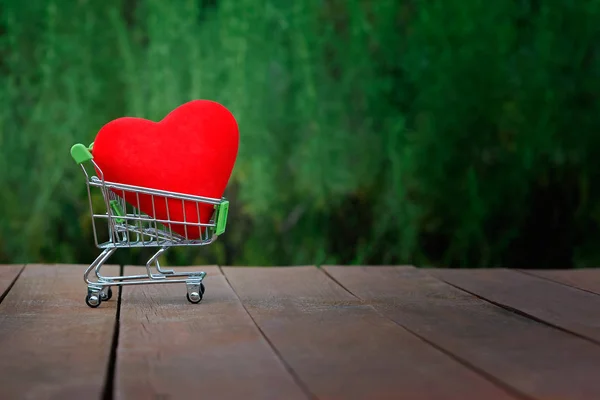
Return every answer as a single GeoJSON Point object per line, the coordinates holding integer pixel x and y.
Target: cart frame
{"type": "Point", "coordinates": [128, 227]}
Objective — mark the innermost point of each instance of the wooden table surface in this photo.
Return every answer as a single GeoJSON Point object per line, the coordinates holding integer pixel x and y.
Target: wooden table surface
{"type": "Point", "coordinates": [339, 332]}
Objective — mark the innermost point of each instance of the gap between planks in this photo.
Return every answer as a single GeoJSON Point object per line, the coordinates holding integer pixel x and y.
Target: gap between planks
{"type": "Point", "coordinates": [587, 279]}
{"type": "Point", "coordinates": [8, 276]}
{"type": "Point", "coordinates": [109, 383]}
{"type": "Point", "coordinates": [554, 304]}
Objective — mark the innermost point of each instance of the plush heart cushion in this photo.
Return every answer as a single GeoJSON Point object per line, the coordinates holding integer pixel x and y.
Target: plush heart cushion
{"type": "Point", "coordinates": [192, 151]}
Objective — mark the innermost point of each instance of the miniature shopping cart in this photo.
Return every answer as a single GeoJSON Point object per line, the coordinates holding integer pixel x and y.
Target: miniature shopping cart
{"type": "Point", "coordinates": [124, 225]}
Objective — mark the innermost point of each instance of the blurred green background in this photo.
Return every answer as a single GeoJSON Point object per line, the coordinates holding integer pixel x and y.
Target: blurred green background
{"type": "Point", "coordinates": [459, 133]}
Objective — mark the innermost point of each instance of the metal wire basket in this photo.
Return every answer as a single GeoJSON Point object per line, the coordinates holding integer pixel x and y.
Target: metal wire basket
{"type": "Point", "coordinates": [120, 223]}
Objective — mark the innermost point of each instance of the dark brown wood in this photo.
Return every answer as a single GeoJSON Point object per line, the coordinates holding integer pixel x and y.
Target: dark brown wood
{"type": "Point", "coordinates": [586, 279]}
{"type": "Point", "coordinates": [52, 345]}
{"type": "Point", "coordinates": [170, 348]}
{"type": "Point", "coordinates": [559, 305]}
{"type": "Point", "coordinates": [8, 274]}
{"type": "Point", "coordinates": [342, 348]}
{"type": "Point", "coordinates": [314, 338]}
{"type": "Point", "coordinates": [532, 358]}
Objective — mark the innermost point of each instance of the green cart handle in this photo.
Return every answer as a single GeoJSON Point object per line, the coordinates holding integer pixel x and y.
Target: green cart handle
{"type": "Point", "coordinates": [81, 154]}
{"type": "Point", "coordinates": [221, 220]}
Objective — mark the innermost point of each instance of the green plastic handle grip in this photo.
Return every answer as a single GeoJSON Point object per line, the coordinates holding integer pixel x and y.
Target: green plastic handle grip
{"type": "Point", "coordinates": [222, 211]}
{"type": "Point", "coordinates": [80, 153]}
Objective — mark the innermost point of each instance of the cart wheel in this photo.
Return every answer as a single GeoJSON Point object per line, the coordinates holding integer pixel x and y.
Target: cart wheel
{"type": "Point", "coordinates": [93, 300]}
{"type": "Point", "coordinates": [106, 295]}
{"type": "Point", "coordinates": [194, 297]}
{"type": "Point", "coordinates": [202, 288]}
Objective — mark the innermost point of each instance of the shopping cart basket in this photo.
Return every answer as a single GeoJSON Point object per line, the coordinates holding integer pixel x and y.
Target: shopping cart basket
{"type": "Point", "coordinates": [123, 225]}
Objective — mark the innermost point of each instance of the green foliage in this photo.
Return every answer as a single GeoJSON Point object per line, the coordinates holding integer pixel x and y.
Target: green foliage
{"type": "Point", "coordinates": [457, 133]}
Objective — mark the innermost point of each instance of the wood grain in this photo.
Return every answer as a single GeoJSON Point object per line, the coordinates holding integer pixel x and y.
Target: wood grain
{"type": "Point", "coordinates": [52, 345]}
{"type": "Point", "coordinates": [8, 274]}
{"type": "Point", "coordinates": [534, 359]}
{"type": "Point", "coordinates": [562, 306]}
{"type": "Point", "coordinates": [342, 348]}
{"type": "Point", "coordinates": [170, 348]}
{"type": "Point", "coordinates": [586, 279]}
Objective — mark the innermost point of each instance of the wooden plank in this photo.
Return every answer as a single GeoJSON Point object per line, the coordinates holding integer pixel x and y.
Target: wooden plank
{"type": "Point", "coordinates": [534, 359]}
{"type": "Point", "coordinates": [52, 345]}
{"type": "Point", "coordinates": [558, 305]}
{"type": "Point", "coordinates": [8, 274]}
{"type": "Point", "coordinates": [586, 279]}
{"type": "Point", "coordinates": [170, 348]}
{"type": "Point", "coordinates": [343, 349]}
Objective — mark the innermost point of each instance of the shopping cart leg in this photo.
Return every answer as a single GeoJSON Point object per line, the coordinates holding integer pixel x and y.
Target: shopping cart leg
{"type": "Point", "coordinates": [154, 261]}
{"type": "Point", "coordinates": [99, 290]}
{"type": "Point", "coordinates": [162, 271]}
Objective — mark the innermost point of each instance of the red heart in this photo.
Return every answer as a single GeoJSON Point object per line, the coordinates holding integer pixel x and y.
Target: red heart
{"type": "Point", "coordinates": [192, 151]}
